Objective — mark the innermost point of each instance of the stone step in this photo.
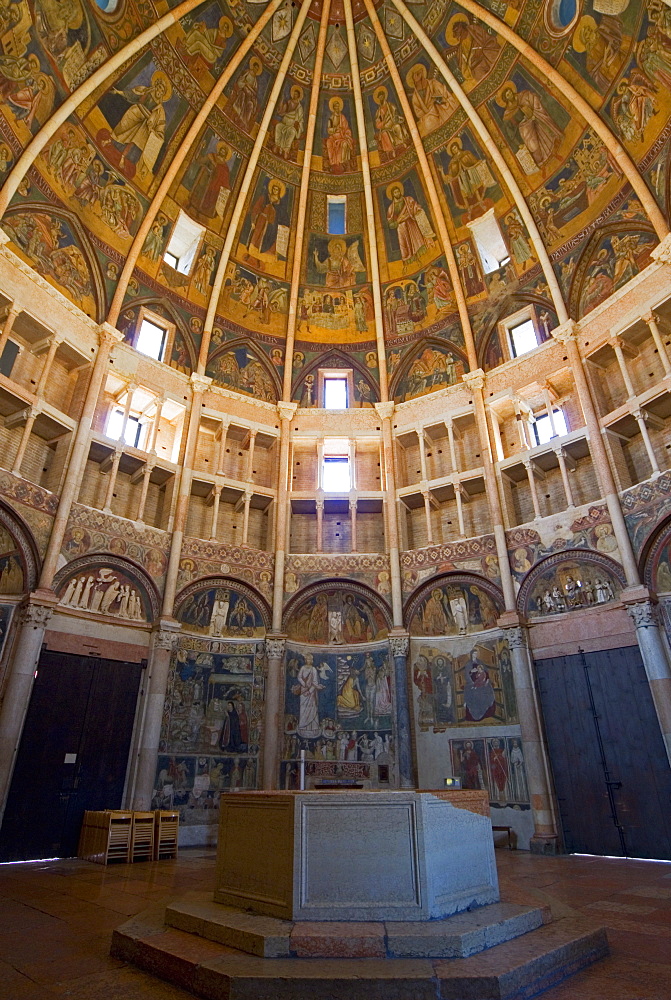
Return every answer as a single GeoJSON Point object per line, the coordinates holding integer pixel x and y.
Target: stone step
{"type": "Point", "coordinates": [514, 970]}
{"type": "Point", "coordinates": [455, 937]}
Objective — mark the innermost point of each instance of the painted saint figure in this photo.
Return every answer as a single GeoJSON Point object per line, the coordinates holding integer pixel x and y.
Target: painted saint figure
{"type": "Point", "coordinates": [244, 100]}
{"type": "Point", "coordinates": [143, 125]}
{"type": "Point", "coordinates": [411, 223]}
{"type": "Point", "coordinates": [392, 133]}
{"type": "Point", "coordinates": [525, 111]}
{"type": "Point", "coordinates": [432, 102]}
{"type": "Point", "coordinates": [290, 126]}
{"type": "Point", "coordinates": [307, 687]}
{"type": "Point", "coordinates": [479, 697]}
{"type": "Point", "coordinates": [339, 143]}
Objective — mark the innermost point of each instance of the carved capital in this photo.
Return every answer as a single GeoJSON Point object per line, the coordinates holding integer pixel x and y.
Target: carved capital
{"type": "Point", "coordinates": [516, 638]}
{"type": "Point", "coordinates": [35, 615]}
{"type": "Point", "coordinates": [199, 383]}
{"type": "Point", "coordinates": [662, 252]}
{"type": "Point", "coordinates": [565, 332]}
{"type": "Point", "coordinates": [287, 410]}
{"type": "Point", "coordinates": [643, 615]}
{"type": "Point", "coordinates": [399, 645]}
{"type": "Point", "coordinates": [385, 410]}
{"type": "Point", "coordinates": [475, 380]}
{"type": "Point", "coordinates": [165, 639]}
{"type": "Point", "coordinates": [109, 335]}
{"type": "Point", "coordinates": [275, 647]}
{"type": "Point", "coordinates": [649, 317]}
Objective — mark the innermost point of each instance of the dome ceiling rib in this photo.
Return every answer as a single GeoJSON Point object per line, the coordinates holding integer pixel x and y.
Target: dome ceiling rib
{"type": "Point", "coordinates": [430, 186]}
{"type": "Point", "coordinates": [84, 90]}
{"type": "Point", "coordinates": [368, 196]}
{"type": "Point", "coordinates": [585, 109]}
{"type": "Point", "coordinates": [231, 233]}
{"type": "Point", "coordinates": [179, 157]}
{"type": "Point", "coordinates": [303, 195]}
{"type": "Point", "coordinates": [491, 147]}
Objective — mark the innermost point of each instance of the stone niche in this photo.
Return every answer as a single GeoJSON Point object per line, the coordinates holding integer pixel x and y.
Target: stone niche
{"type": "Point", "coordinates": [353, 856]}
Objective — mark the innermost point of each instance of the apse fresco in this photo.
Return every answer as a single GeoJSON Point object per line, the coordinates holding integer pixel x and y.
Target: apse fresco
{"type": "Point", "coordinates": [432, 368]}
{"type": "Point", "coordinates": [212, 726]}
{"type": "Point", "coordinates": [452, 608]}
{"type": "Point", "coordinates": [217, 608]}
{"type": "Point", "coordinates": [336, 616]}
{"type": "Point", "coordinates": [475, 686]}
{"type": "Point", "coordinates": [11, 566]}
{"type": "Point", "coordinates": [338, 710]}
{"type": "Point", "coordinates": [240, 368]}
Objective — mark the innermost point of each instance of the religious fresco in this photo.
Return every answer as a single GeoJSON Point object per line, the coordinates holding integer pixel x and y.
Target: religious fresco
{"type": "Point", "coordinates": [303, 570]}
{"type": "Point", "coordinates": [495, 764]}
{"type": "Point", "coordinates": [456, 606]}
{"type": "Point", "coordinates": [11, 565]}
{"type": "Point", "coordinates": [421, 302]}
{"type": "Point", "coordinates": [264, 237]}
{"type": "Point", "coordinates": [386, 127]}
{"type": "Point", "coordinates": [365, 375]}
{"type": "Point", "coordinates": [335, 616]}
{"type": "Point", "coordinates": [54, 247]}
{"type": "Point", "coordinates": [219, 608]}
{"type": "Point", "coordinates": [205, 186]}
{"type": "Point", "coordinates": [531, 120]}
{"type": "Point", "coordinates": [338, 708]}
{"type": "Point", "coordinates": [468, 181]}
{"type": "Point", "coordinates": [289, 122]}
{"type": "Point", "coordinates": [110, 590]}
{"type": "Point", "coordinates": [246, 94]}
{"type": "Point", "coordinates": [432, 101]}
{"type": "Point", "coordinates": [657, 572]}
{"type": "Point", "coordinates": [335, 135]}
{"type": "Point", "coordinates": [613, 262]}
{"type": "Point", "coordinates": [253, 301]}
{"type": "Point", "coordinates": [240, 368]}
{"type": "Point", "coordinates": [6, 613]}
{"type": "Point", "coordinates": [212, 725]}
{"type": "Point", "coordinates": [561, 584]}
{"type": "Point", "coordinates": [409, 235]}
{"type": "Point", "coordinates": [433, 367]}
{"type": "Point", "coordinates": [91, 531]}
{"type": "Point", "coordinates": [205, 45]}
{"type": "Point", "coordinates": [473, 555]}
{"type": "Point", "coordinates": [474, 686]}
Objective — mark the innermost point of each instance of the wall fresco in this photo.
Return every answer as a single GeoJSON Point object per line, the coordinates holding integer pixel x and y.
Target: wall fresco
{"type": "Point", "coordinates": [219, 608]}
{"type": "Point", "coordinates": [334, 616]}
{"type": "Point", "coordinates": [452, 608]}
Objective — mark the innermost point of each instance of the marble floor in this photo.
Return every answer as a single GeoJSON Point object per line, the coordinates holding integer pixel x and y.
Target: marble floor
{"type": "Point", "coordinates": [56, 920]}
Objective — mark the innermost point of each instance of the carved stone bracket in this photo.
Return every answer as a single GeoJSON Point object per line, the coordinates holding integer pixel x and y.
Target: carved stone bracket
{"type": "Point", "coordinates": [165, 639]}
{"type": "Point", "coordinates": [287, 410]}
{"type": "Point", "coordinates": [475, 380]}
{"type": "Point", "coordinates": [662, 252]}
{"type": "Point", "coordinates": [565, 332]}
{"type": "Point", "coordinates": [643, 615]}
{"type": "Point", "coordinates": [275, 646]}
{"type": "Point", "coordinates": [199, 383]}
{"type": "Point", "coordinates": [36, 615]}
{"type": "Point", "coordinates": [109, 335]}
{"type": "Point", "coordinates": [516, 638]}
{"type": "Point", "coordinates": [385, 410]}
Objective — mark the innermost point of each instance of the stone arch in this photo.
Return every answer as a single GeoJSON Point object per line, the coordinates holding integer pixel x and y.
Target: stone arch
{"type": "Point", "coordinates": [25, 550]}
{"type": "Point", "coordinates": [656, 559]}
{"type": "Point", "coordinates": [257, 354]}
{"type": "Point", "coordinates": [222, 606]}
{"type": "Point", "coordinates": [104, 568]}
{"type": "Point", "coordinates": [402, 374]}
{"type": "Point", "coordinates": [427, 614]}
{"type": "Point", "coordinates": [163, 307]}
{"type": "Point", "coordinates": [588, 256]}
{"type": "Point", "coordinates": [335, 359]}
{"type": "Point", "coordinates": [580, 565]}
{"type": "Point", "coordinates": [507, 307]}
{"type": "Point", "coordinates": [332, 596]}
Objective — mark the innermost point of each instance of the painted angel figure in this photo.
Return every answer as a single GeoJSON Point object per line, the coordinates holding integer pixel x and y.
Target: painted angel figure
{"type": "Point", "coordinates": [342, 264]}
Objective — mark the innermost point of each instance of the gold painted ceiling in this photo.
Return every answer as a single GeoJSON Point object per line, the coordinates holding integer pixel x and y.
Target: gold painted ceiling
{"type": "Point", "coordinates": [336, 155]}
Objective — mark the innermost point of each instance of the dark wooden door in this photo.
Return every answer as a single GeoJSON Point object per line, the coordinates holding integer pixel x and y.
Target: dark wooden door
{"type": "Point", "coordinates": [609, 764]}
{"type": "Point", "coordinates": [73, 753]}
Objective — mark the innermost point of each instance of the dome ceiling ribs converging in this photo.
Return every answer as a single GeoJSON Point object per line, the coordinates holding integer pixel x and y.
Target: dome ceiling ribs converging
{"type": "Point", "coordinates": [367, 184]}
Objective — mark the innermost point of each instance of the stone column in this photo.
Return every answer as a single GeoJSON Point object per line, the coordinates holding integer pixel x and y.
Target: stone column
{"type": "Point", "coordinates": [33, 621]}
{"type": "Point", "coordinates": [111, 482]}
{"type": "Point", "coordinates": [221, 451]}
{"type": "Point", "coordinates": [545, 837]}
{"type": "Point", "coordinates": [32, 414]}
{"type": "Point", "coordinates": [460, 506]}
{"type": "Point", "coordinates": [399, 645]}
{"type": "Point", "coordinates": [385, 411]}
{"type": "Point", "coordinates": [286, 412]}
{"type": "Point", "coordinates": [8, 325]}
{"type": "Point", "coordinates": [651, 641]}
{"type": "Point", "coordinates": [550, 410]}
{"type": "Point", "coordinates": [640, 417]}
{"type": "Point", "coordinates": [245, 516]}
{"type": "Point", "coordinates": [352, 521]}
{"type": "Point", "coordinates": [319, 506]}
{"type": "Point", "coordinates": [199, 384]}
{"type": "Point", "coordinates": [427, 514]}
{"type": "Point", "coordinates": [146, 476]}
{"type": "Point", "coordinates": [250, 457]}
{"type": "Point", "coordinates": [46, 367]}
{"type": "Point", "coordinates": [559, 452]}
{"type": "Point", "coordinates": [272, 749]}
{"type": "Point", "coordinates": [453, 449]}
{"type": "Point", "coordinates": [151, 445]}
{"type": "Point", "coordinates": [651, 320]}
{"type": "Point", "coordinates": [520, 421]}
{"type": "Point", "coordinates": [156, 685]}
{"type": "Point", "coordinates": [108, 337]}
{"type": "Point", "coordinates": [532, 486]}
{"type": "Point", "coordinates": [216, 497]}
{"type": "Point", "coordinates": [619, 354]}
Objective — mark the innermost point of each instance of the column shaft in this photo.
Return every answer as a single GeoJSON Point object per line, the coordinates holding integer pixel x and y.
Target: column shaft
{"type": "Point", "coordinates": [156, 681]}
{"type": "Point", "coordinates": [146, 476]}
{"type": "Point", "coordinates": [25, 438]}
{"type": "Point", "coordinates": [564, 476]}
{"type": "Point", "coordinates": [651, 320]}
{"type": "Point", "coordinates": [216, 497]}
{"type": "Point", "coordinates": [273, 712]}
{"type": "Point", "coordinates": [656, 661]}
{"type": "Point", "coordinates": [399, 645]}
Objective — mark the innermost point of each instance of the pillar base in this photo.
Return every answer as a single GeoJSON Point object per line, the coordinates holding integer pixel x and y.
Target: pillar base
{"type": "Point", "coordinates": [544, 843]}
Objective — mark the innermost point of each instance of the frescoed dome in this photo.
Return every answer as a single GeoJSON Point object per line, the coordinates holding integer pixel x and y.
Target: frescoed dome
{"type": "Point", "coordinates": [376, 182]}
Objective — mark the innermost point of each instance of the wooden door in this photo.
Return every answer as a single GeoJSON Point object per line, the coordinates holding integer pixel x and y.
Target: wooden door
{"type": "Point", "coordinates": [73, 753]}
{"type": "Point", "coordinates": [609, 764]}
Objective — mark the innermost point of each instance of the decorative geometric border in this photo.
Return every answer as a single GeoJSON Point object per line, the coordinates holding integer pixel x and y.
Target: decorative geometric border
{"type": "Point", "coordinates": [25, 543]}
{"type": "Point", "coordinates": [208, 582]}
{"type": "Point", "coordinates": [127, 566]}
{"type": "Point", "coordinates": [567, 555]}
{"type": "Point", "coordinates": [465, 579]}
{"type": "Point", "coordinates": [652, 557]}
{"type": "Point", "coordinates": [339, 584]}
